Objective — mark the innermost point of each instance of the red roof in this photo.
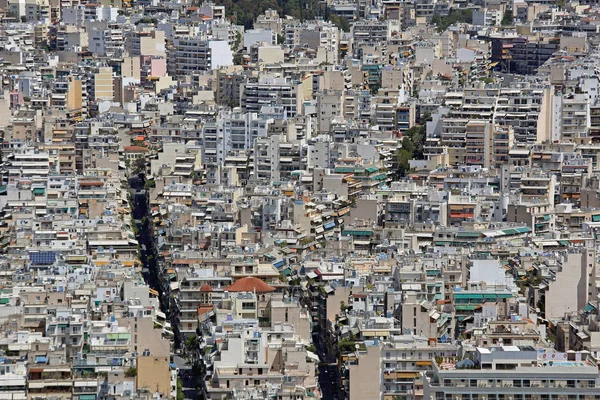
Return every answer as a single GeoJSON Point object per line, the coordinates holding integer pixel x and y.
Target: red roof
{"type": "Point", "coordinates": [202, 309]}
{"type": "Point", "coordinates": [135, 149]}
{"type": "Point", "coordinates": [250, 284]}
{"type": "Point", "coordinates": [206, 288]}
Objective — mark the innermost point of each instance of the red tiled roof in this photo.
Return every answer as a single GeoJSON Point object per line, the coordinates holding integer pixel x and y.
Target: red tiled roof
{"type": "Point", "coordinates": [206, 288]}
{"type": "Point", "coordinates": [135, 149]}
{"type": "Point", "coordinates": [204, 309]}
{"type": "Point", "coordinates": [250, 284]}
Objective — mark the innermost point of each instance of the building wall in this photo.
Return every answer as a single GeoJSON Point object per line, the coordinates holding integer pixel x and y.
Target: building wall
{"type": "Point", "coordinates": [103, 84]}
{"type": "Point", "coordinates": [365, 376]}
{"type": "Point", "coordinates": [153, 45]}
{"type": "Point", "coordinates": [572, 279]}
{"type": "Point", "coordinates": [221, 55]}
{"type": "Point", "coordinates": [153, 373]}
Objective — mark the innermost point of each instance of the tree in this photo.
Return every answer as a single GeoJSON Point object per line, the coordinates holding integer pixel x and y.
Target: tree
{"type": "Point", "coordinates": [507, 18]}
{"type": "Point", "coordinates": [238, 59]}
{"type": "Point", "coordinates": [191, 348]}
{"type": "Point", "coordinates": [341, 22]}
{"type": "Point", "coordinates": [454, 16]}
{"type": "Point", "coordinates": [180, 395]}
{"type": "Point", "coordinates": [238, 41]}
{"type": "Point", "coordinates": [139, 165]}
{"type": "Point", "coordinates": [413, 141]}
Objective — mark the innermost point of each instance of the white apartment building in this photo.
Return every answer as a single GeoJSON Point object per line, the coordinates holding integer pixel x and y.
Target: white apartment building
{"type": "Point", "coordinates": [269, 91]}
{"type": "Point", "coordinates": [190, 54]}
{"type": "Point", "coordinates": [514, 372]}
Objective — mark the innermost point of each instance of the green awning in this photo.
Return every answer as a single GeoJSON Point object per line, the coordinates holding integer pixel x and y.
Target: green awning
{"type": "Point", "coordinates": [546, 217]}
{"type": "Point", "coordinates": [523, 229]}
{"type": "Point", "coordinates": [564, 242]}
{"type": "Point", "coordinates": [343, 170]}
{"type": "Point", "coordinates": [595, 218]}
{"type": "Point", "coordinates": [4, 300]}
{"type": "Point", "coordinates": [372, 169]}
{"type": "Point", "coordinates": [510, 231]}
{"type": "Point", "coordinates": [39, 191]}
{"type": "Point", "coordinates": [468, 234]}
{"type": "Point", "coordinates": [116, 336]}
{"type": "Point", "coordinates": [357, 233]}
{"type": "Point", "coordinates": [87, 397]}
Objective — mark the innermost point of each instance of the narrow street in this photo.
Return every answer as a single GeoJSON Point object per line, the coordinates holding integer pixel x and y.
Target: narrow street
{"type": "Point", "coordinates": [185, 373]}
{"type": "Point", "coordinates": [145, 238]}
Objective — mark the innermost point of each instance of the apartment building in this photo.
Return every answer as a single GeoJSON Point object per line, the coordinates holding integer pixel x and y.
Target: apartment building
{"type": "Point", "coordinates": [271, 91]}
{"type": "Point", "coordinates": [393, 367]}
{"type": "Point", "coordinates": [196, 53]}
{"type": "Point", "coordinates": [520, 372]}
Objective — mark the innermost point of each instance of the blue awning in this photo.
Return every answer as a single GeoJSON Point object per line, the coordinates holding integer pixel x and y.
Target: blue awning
{"type": "Point", "coordinates": [329, 225]}
{"type": "Point", "coordinates": [40, 359]}
{"type": "Point", "coordinates": [173, 366]}
{"type": "Point", "coordinates": [278, 264]}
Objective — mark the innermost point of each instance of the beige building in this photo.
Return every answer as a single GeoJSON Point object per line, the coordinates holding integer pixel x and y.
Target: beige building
{"type": "Point", "coordinates": [153, 374]}
{"type": "Point", "coordinates": [103, 84]}
{"type": "Point", "coordinates": [74, 94]}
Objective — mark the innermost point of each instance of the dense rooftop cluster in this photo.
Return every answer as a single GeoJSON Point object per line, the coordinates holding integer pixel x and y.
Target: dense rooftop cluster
{"type": "Point", "coordinates": [391, 200]}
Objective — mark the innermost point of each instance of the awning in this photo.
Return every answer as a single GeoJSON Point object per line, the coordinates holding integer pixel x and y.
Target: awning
{"type": "Point", "coordinates": [312, 356]}
{"type": "Point", "coordinates": [40, 359]}
{"type": "Point", "coordinates": [85, 383]}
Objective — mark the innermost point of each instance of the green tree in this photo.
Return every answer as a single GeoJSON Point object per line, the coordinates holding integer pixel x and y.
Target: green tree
{"type": "Point", "coordinates": [341, 22]}
{"type": "Point", "coordinates": [413, 141]}
{"type": "Point", "coordinates": [454, 16]}
{"type": "Point", "coordinates": [238, 59]}
{"type": "Point", "coordinates": [507, 18]}
{"type": "Point", "coordinates": [238, 41]}
{"type": "Point", "coordinates": [139, 165]}
{"type": "Point", "coordinates": [180, 395]}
